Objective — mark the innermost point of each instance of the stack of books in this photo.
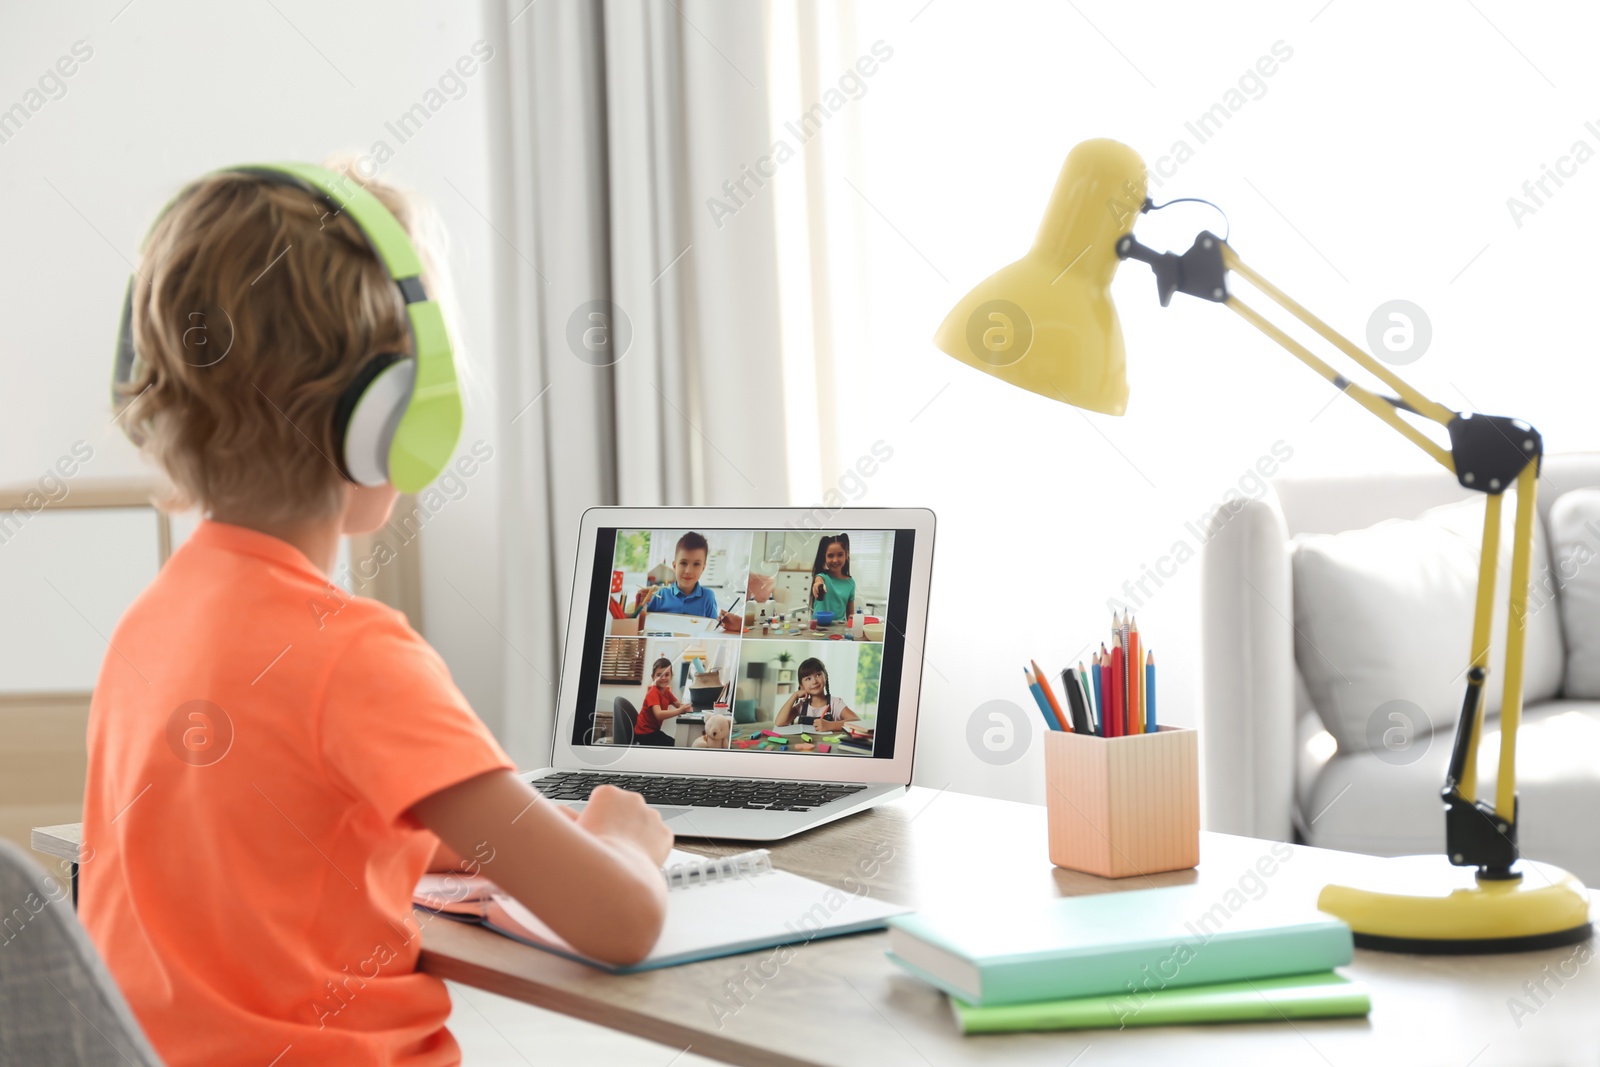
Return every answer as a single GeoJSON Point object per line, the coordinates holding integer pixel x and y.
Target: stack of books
{"type": "Point", "coordinates": [1183, 954]}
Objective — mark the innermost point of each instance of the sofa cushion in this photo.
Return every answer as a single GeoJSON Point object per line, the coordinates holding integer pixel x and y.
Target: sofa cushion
{"type": "Point", "coordinates": [1575, 553]}
{"type": "Point", "coordinates": [1383, 625]}
{"type": "Point", "coordinates": [1363, 802]}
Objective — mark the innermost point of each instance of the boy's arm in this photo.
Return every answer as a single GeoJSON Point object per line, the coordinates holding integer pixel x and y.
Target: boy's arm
{"type": "Point", "coordinates": [595, 877]}
{"type": "Point", "coordinates": [446, 858]}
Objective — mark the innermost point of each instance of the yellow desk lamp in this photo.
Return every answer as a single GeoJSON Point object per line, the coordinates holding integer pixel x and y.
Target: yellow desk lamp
{"type": "Point", "coordinates": [1046, 323]}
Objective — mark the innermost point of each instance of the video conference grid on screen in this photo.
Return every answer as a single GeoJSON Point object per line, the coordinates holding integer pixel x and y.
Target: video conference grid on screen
{"type": "Point", "coordinates": [745, 640]}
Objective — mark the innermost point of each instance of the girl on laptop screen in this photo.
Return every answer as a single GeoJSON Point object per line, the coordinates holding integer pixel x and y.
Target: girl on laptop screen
{"type": "Point", "coordinates": [814, 704]}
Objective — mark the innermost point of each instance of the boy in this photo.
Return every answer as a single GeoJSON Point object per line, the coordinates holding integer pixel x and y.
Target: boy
{"type": "Point", "coordinates": [686, 596]}
{"type": "Point", "coordinates": [272, 762]}
{"type": "Point", "coordinates": [658, 706]}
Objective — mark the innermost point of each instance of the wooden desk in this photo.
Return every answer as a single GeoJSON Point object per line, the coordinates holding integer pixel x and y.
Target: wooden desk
{"type": "Point", "coordinates": [63, 841]}
{"type": "Point", "coordinates": [838, 1001]}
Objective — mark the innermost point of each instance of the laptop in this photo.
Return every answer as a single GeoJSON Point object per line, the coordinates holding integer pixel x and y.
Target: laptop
{"type": "Point", "coordinates": [753, 672]}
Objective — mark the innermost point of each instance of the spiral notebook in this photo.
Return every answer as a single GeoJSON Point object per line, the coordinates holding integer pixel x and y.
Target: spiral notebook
{"type": "Point", "coordinates": [717, 906]}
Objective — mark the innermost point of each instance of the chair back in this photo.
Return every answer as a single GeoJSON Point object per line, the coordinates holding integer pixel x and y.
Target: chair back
{"type": "Point", "coordinates": [58, 1003]}
{"type": "Point", "coordinates": [623, 716]}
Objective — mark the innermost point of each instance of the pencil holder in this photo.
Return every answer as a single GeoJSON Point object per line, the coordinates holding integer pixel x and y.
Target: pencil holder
{"type": "Point", "coordinates": [1120, 806]}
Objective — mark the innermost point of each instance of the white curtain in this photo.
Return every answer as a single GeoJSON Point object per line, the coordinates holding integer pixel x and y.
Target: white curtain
{"type": "Point", "coordinates": [623, 119]}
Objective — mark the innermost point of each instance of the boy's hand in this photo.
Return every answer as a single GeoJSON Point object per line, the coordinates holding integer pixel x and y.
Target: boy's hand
{"type": "Point", "coordinates": [618, 815]}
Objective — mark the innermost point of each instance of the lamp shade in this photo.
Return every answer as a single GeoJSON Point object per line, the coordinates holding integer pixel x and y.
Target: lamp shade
{"type": "Point", "coordinates": [1046, 322]}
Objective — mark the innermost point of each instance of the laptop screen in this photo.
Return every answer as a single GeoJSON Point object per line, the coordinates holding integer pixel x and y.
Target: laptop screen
{"type": "Point", "coordinates": [746, 640]}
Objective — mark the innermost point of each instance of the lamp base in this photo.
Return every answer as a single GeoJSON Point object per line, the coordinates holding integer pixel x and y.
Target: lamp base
{"type": "Point", "coordinates": [1425, 904]}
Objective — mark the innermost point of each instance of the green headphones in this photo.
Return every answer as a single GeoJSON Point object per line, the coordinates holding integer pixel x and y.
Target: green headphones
{"type": "Point", "coordinates": [399, 421]}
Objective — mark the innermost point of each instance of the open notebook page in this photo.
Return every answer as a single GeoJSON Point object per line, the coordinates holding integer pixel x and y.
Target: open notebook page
{"type": "Point", "coordinates": [704, 921]}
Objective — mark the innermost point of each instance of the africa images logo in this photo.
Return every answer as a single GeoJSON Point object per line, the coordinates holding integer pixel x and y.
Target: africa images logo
{"type": "Point", "coordinates": [199, 732]}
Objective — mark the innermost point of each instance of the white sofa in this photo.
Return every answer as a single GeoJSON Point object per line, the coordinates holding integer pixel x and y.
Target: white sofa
{"type": "Point", "coordinates": [1273, 770]}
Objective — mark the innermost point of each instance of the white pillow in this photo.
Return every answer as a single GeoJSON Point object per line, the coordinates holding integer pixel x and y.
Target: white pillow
{"type": "Point", "coordinates": [1383, 624]}
{"type": "Point", "coordinates": [1575, 543]}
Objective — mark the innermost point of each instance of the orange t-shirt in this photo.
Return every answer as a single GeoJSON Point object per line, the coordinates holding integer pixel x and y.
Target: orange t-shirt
{"type": "Point", "coordinates": [256, 739]}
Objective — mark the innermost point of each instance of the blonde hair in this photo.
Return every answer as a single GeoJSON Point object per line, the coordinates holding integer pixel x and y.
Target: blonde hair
{"type": "Point", "coordinates": [255, 305]}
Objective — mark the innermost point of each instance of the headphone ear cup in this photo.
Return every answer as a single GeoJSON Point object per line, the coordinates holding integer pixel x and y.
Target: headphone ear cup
{"type": "Point", "coordinates": [368, 413]}
{"type": "Point", "coordinates": [125, 364]}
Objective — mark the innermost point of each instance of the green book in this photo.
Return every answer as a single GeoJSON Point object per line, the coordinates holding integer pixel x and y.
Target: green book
{"type": "Point", "coordinates": [1131, 943]}
{"type": "Point", "coordinates": [1297, 996]}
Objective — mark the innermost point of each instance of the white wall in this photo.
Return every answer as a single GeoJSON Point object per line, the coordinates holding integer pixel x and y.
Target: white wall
{"type": "Point", "coordinates": [1375, 164]}
{"type": "Point", "coordinates": [172, 90]}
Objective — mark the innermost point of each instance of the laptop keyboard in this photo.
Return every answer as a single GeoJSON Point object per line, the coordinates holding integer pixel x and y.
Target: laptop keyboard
{"type": "Point", "coordinates": [686, 792]}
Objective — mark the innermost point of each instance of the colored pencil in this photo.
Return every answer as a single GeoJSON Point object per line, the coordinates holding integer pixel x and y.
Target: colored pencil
{"type": "Point", "coordinates": [1092, 693]}
{"type": "Point", "coordinates": [1119, 705]}
{"type": "Point", "coordinates": [1144, 694]}
{"type": "Point", "coordinates": [1150, 691]}
{"type": "Point", "coordinates": [1038, 698]}
{"type": "Point", "coordinates": [1105, 694]}
{"type": "Point", "coordinates": [1111, 700]}
{"type": "Point", "coordinates": [1104, 682]}
{"type": "Point", "coordinates": [1122, 642]}
{"type": "Point", "coordinates": [1117, 677]}
{"type": "Point", "coordinates": [1050, 695]}
{"type": "Point", "coordinates": [1099, 697]}
{"type": "Point", "coordinates": [1135, 681]}
{"type": "Point", "coordinates": [1088, 694]}
{"type": "Point", "coordinates": [1083, 699]}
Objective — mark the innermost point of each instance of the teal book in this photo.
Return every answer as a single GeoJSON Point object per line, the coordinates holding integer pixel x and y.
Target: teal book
{"type": "Point", "coordinates": [1296, 996]}
{"type": "Point", "coordinates": [1131, 943]}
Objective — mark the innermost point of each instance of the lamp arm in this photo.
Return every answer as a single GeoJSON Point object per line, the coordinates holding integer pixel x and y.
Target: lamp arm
{"type": "Point", "coordinates": [1385, 408]}
{"type": "Point", "coordinates": [1487, 454]}
{"type": "Point", "coordinates": [1413, 399]}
